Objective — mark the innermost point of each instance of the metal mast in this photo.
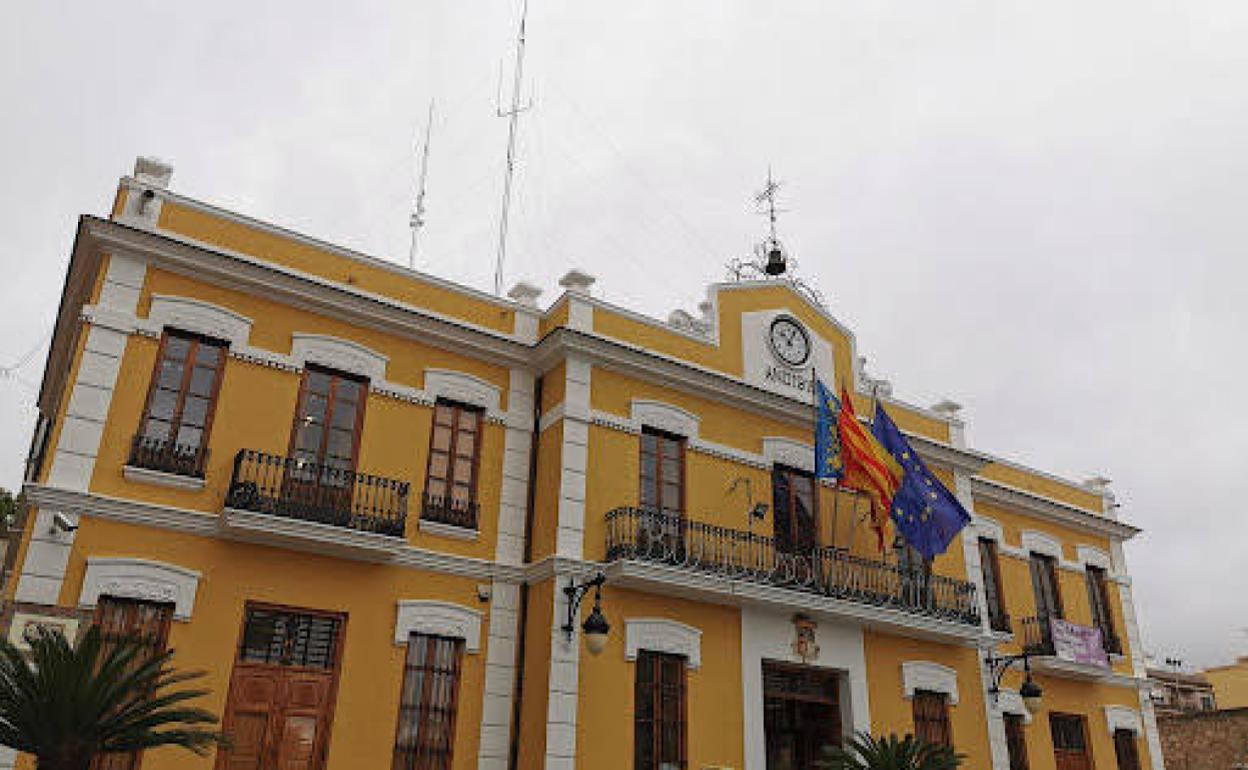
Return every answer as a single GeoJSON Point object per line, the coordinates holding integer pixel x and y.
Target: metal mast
{"type": "Point", "coordinates": [418, 214]}
{"type": "Point", "coordinates": [512, 113]}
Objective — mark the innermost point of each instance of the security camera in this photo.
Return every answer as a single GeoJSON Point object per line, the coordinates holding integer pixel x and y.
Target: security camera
{"type": "Point", "coordinates": [63, 523]}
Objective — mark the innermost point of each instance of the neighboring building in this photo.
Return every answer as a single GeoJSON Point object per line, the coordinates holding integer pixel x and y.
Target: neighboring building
{"type": "Point", "coordinates": [1211, 740]}
{"type": "Point", "coordinates": [1177, 692]}
{"type": "Point", "coordinates": [356, 495]}
{"type": "Point", "coordinates": [1230, 683]}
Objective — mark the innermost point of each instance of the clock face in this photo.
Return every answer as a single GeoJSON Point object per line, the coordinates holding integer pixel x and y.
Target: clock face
{"type": "Point", "coordinates": [789, 341]}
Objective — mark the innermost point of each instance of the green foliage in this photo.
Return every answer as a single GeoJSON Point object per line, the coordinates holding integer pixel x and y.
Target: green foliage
{"type": "Point", "coordinates": [866, 752]}
{"type": "Point", "coordinates": [68, 703]}
{"type": "Point", "coordinates": [9, 508]}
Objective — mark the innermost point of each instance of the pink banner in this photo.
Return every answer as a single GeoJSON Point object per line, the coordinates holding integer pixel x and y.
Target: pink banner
{"type": "Point", "coordinates": [1078, 644]}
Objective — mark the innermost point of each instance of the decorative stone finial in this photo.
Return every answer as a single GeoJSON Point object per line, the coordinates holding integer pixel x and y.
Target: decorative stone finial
{"type": "Point", "coordinates": [525, 293]}
{"type": "Point", "coordinates": [947, 409]}
{"type": "Point", "coordinates": [1098, 484]}
{"type": "Point", "coordinates": [577, 281]}
{"type": "Point", "coordinates": [153, 171]}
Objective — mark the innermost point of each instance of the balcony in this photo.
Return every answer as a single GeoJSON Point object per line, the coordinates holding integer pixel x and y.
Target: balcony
{"type": "Point", "coordinates": [1068, 649]}
{"type": "Point", "coordinates": [447, 511]}
{"type": "Point", "coordinates": [290, 502]}
{"type": "Point", "coordinates": [664, 549]}
{"type": "Point", "coordinates": [162, 456]}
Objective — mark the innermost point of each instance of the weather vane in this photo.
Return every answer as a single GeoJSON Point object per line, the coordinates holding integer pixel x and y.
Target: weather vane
{"type": "Point", "coordinates": [770, 258]}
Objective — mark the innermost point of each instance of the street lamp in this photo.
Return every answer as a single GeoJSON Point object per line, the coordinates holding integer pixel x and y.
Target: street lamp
{"type": "Point", "coordinates": [595, 626]}
{"type": "Point", "coordinates": [1030, 692]}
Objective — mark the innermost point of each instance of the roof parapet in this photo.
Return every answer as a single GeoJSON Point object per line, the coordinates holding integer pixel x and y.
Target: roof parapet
{"type": "Point", "coordinates": [153, 171]}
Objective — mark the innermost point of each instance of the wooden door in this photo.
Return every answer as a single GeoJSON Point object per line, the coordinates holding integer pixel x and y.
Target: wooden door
{"type": "Point", "coordinates": [1044, 584]}
{"type": "Point", "coordinates": [801, 715]}
{"type": "Point", "coordinates": [280, 704]}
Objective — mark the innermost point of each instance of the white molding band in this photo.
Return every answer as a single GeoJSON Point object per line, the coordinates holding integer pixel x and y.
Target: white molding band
{"type": "Point", "coordinates": [1039, 542]}
{"type": "Point", "coordinates": [990, 528]}
{"type": "Point", "coordinates": [1122, 718]}
{"type": "Point", "coordinates": [1010, 702]}
{"type": "Point", "coordinates": [787, 451]}
{"type": "Point", "coordinates": [129, 578]}
{"type": "Point", "coordinates": [656, 414]}
{"type": "Point", "coordinates": [926, 675]}
{"type": "Point", "coordinates": [1091, 555]}
{"type": "Point", "coordinates": [662, 635]}
{"type": "Point", "coordinates": [462, 387]}
{"type": "Point", "coordinates": [438, 618]}
{"type": "Point", "coordinates": [338, 353]}
{"type": "Point", "coordinates": [195, 315]}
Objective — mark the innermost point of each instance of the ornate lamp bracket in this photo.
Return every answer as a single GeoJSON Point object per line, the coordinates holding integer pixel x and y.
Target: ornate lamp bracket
{"type": "Point", "coordinates": [576, 593]}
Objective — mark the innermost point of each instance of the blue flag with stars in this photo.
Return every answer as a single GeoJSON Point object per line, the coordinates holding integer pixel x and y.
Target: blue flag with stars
{"type": "Point", "coordinates": [927, 514]}
{"type": "Point", "coordinates": [828, 461]}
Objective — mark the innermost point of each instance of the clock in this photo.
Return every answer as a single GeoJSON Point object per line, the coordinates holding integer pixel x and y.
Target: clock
{"type": "Point", "coordinates": [789, 341]}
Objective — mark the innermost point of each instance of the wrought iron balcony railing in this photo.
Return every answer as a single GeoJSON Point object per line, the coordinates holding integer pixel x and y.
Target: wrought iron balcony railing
{"type": "Point", "coordinates": [167, 456]}
{"type": "Point", "coordinates": [449, 510]}
{"type": "Point", "coordinates": [307, 491]}
{"type": "Point", "coordinates": [999, 620]}
{"type": "Point", "coordinates": [673, 540]}
{"type": "Point", "coordinates": [1038, 637]}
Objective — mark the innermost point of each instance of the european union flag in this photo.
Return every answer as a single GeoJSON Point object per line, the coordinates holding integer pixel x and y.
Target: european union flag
{"type": "Point", "coordinates": [927, 514]}
{"type": "Point", "coordinates": [829, 464]}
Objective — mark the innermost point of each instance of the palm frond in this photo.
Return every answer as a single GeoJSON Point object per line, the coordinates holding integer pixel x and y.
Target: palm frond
{"type": "Point", "coordinates": [866, 752]}
{"type": "Point", "coordinates": [97, 696]}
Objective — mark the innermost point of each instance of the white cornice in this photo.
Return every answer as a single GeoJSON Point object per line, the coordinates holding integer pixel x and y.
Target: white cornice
{"type": "Point", "coordinates": [355, 256]}
{"type": "Point", "coordinates": [304, 290]}
{"type": "Point", "coordinates": [1046, 507]}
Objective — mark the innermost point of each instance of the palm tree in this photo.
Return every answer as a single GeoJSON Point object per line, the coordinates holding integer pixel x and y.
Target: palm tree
{"type": "Point", "coordinates": [866, 752]}
{"type": "Point", "coordinates": [68, 703]}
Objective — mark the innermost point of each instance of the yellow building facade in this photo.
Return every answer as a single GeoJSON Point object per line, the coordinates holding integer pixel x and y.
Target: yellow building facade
{"type": "Point", "coordinates": [368, 503]}
{"type": "Point", "coordinates": [1230, 683]}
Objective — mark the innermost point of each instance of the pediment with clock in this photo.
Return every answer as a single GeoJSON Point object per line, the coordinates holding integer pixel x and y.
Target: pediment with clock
{"type": "Point", "coordinates": [780, 353]}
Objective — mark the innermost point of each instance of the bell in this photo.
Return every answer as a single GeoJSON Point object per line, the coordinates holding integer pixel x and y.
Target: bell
{"type": "Point", "coordinates": [775, 261]}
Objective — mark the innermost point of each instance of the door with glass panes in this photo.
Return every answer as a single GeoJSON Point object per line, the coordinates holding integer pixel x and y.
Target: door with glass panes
{"type": "Point", "coordinates": [324, 443]}
{"type": "Point", "coordinates": [280, 704]}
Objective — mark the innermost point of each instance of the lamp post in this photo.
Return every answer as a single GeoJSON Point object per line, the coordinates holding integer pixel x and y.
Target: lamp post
{"type": "Point", "coordinates": [1030, 692]}
{"type": "Point", "coordinates": [595, 626]}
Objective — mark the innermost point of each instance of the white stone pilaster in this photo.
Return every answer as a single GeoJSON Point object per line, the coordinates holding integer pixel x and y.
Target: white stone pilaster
{"type": "Point", "coordinates": [975, 573]}
{"type": "Point", "coordinates": [500, 676]}
{"type": "Point", "coordinates": [517, 445]}
{"type": "Point", "coordinates": [1119, 559]}
{"type": "Point", "coordinates": [565, 653]}
{"type": "Point", "coordinates": [78, 444]}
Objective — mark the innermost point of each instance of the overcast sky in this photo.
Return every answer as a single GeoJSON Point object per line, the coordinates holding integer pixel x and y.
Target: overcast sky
{"type": "Point", "coordinates": [1036, 209]}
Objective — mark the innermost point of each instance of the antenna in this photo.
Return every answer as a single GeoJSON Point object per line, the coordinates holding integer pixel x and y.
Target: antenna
{"type": "Point", "coordinates": [418, 213]}
{"type": "Point", "coordinates": [511, 113]}
{"type": "Point", "coordinates": [766, 198]}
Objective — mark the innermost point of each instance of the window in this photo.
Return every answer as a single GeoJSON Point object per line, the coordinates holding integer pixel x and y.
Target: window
{"type": "Point", "coordinates": [1098, 599]}
{"type": "Point", "coordinates": [427, 703]}
{"type": "Point", "coordinates": [662, 472]}
{"type": "Point", "coordinates": [659, 712]}
{"type": "Point", "coordinates": [1016, 741]}
{"type": "Point", "coordinates": [1070, 742]}
{"type": "Point", "coordinates": [1125, 750]}
{"type": "Point", "coordinates": [931, 717]}
{"type": "Point", "coordinates": [173, 436]}
{"type": "Point", "coordinates": [125, 618]}
{"type": "Point", "coordinates": [454, 449]}
{"type": "Point", "coordinates": [989, 562]}
{"type": "Point", "coordinates": [327, 425]}
{"type": "Point", "coordinates": [1044, 584]}
{"type": "Point", "coordinates": [284, 638]}
{"type": "Point", "coordinates": [1206, 703]}
{"type": "Point", "coordinates": [793, 493]}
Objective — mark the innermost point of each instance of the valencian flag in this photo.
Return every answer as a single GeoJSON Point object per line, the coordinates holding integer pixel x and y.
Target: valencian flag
{"type": "Point", "coordinates": [829, 464]}
{"type": "Point", "coordinates": [927, 515]}
{"type": "Point", "coordinates": [868, 467]}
